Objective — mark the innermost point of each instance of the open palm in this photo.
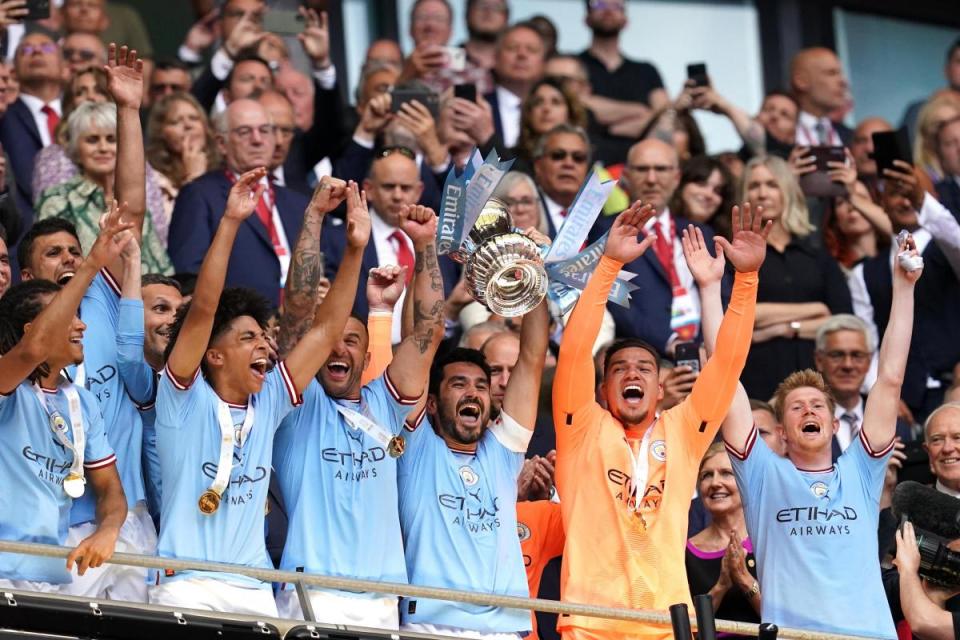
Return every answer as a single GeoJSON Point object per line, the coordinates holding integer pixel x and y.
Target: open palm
{"type": "Point", "coordinates": [623, 243]}
{"type": "Point", "coordinates": [705, 268]}
{"type": "Point", "coordinates": [749, 246]}
{"type": "Point", "coordinates": [124, 76]}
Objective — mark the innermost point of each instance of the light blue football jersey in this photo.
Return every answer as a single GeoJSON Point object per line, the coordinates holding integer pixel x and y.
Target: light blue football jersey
{"type": "Point", "coordinates": [340, 486]}
{"type": "Point", "coordinates": [188, 440]}
{"type": "Point", "coordinates": [33, 465]}
{"type": "Point", "coordinates": [100, 310]}
{"type": "Point", "coordinates": [458, 513]}
{"type": "Point", "coordinates": [814, 536]}
{"type": "Point", "coordinates": [140, 381]}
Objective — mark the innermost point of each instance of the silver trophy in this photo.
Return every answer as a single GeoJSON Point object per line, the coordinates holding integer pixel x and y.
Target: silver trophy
{"type": "Point", "coordinates": [504, 268]}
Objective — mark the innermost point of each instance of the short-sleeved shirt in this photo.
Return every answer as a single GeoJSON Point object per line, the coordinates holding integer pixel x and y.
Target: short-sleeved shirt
{"type": "Point", "coordinates": [340, 486]}
{"type": "Point", "coordinates": [99, 310]}
{"type": "Point", "coordinates": [814, 535]}
{"type": "Point", "coordinates": [33, 463]}
{"type": "Point", "coordinates": [188, 440]}
{"type": "Point", "coordinates": [632, 81]}
{"type": "Point", "coordinates": [458, 513]}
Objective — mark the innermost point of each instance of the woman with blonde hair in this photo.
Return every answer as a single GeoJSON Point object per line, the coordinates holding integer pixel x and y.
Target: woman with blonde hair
{"type": "Point", "coordinates": [943, 106]}
{"type": "Point", "coordinates": [801, 285]}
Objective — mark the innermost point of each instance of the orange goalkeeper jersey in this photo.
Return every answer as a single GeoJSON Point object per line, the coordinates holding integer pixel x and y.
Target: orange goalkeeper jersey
{"type": "Point", "coordinates": [615, 555]}
{"type": "Point", "coordinates": [540, 529]}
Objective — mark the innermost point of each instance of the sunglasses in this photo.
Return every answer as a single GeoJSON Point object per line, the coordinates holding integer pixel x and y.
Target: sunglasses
{"type": "Point", "coordinates": [558, 155]}
{"type": "Point", "coordinates": [407, 152]}
{"type": "Point", "coordinates": [86, 55]}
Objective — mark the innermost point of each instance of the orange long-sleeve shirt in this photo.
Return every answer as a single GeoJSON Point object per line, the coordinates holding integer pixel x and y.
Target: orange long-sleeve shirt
{"type": "Point", "coordinates": [540, 527]}
{"type": "Point", "coordinates": [613, 557]}
{"type": "Point", "coordinates": [379, 326]}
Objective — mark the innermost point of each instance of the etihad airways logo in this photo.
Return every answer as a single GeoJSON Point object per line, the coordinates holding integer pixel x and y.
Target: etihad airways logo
{"type": "Point", "coordinates": [623, 486]}
{"type": "Point", "coordinates": [818, 521]}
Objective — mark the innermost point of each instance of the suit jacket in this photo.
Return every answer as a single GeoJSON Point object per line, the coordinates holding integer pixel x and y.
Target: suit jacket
{"type": "Point", "coordinates": [354, 164]}
{"type": "Point", "coordinates": [845, 133]}
{"type": "Point", "coordinates": [948, 193]}
{"type": "Point", "coordinates": [648, 317]}
{"type": "Point", "coordinates": [253, 263]}
{"type": "Point", "coordinates": [903, 432]}
{"type": "Point", "coordinates": [333, 242]}
{"type": "Point", "coordinates": [491, 98]}
{"type": "Point", "coordinates": [21, 141]}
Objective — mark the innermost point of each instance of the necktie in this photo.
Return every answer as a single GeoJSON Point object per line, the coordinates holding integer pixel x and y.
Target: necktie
{"type": "Point", "coordinates": [823, 132]}
{"type": "Point", "coordinates": [664, 251]}
{"type": "Point", "coordinates": [53, 119]}
{"type": "Point", "coordinates": [851, 419]}
{"type": "Point", "coordinates": [404, 255]}
{"type": "Point", "coordinates": [265, 213]}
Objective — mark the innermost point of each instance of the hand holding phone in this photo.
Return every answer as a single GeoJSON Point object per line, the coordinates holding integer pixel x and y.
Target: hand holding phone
{"type": "Point", "coordinates": [697, 74]}
{"type": "Point", "coordinates": [889, 146]}
{"type": "Point", "coordinates": [688, 355]}
{"type": "Point", "coordinates": [36, 10]}
{"type": "Point", "coordinates": [818, 183]}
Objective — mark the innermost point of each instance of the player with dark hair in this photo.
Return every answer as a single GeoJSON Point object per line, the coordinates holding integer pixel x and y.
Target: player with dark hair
{"type": "Point", "coordinates": [218, 407]}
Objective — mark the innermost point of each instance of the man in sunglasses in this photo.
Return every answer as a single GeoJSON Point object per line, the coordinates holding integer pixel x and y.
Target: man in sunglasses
{"type": "Point", "coordinates": [30, 121]}
{"type": "Point", "coordinates": [82, 51]}
{"type": "Point", "coordinates": [561, 159]}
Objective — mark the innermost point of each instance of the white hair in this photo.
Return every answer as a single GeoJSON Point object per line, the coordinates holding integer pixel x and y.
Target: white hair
{"type": "Point", "coordinates": [843, 322]}
{"type": "Point", "coordinates": [90, 115]}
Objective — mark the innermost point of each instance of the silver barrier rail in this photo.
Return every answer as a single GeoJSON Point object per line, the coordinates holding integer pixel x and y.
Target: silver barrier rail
{"type": "Point", "coordinates": [436, 593]}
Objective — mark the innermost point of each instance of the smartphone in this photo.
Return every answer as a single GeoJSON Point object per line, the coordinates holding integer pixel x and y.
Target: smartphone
{"type": "Point", "coordinates": [37, 10]}
{"type": "Point", "coordinates": [818, 183]}
{"type": "Point", "coordinates": [283, 22]}
{"type": "Point", "coordinates": [426, 97]}
{"type": "Point", "coordinates": [467, 91]}
{"type": "Point", "coordinates": [889, 146]}
{"type": "Point", "coordinates": [456, 58]}
{"type": "Point", "coordinates": [697, 72]}
{"type": "Point", "coordinates": [688, 355]}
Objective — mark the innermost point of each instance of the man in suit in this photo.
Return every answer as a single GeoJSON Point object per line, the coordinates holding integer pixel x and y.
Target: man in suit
{"type": "Point", "coordinates": [560, 165]}
{"type": "Point", "coordinates": [520, 58]}
{"type": "Point", "coordinates": [820, 87]}
{"type": "Point", "coordinates": [29, 123]}
{"type": "Point", "coordinates": [948, 153]}
{"type": "Point", "coordinates": [665, 309]}
{"type": "Point", "coordinates": [843, 355]}
{"type": "Point", "coordinates": [261, 253]}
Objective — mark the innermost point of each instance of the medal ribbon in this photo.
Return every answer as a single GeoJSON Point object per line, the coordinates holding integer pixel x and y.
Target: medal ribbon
{"type": "Point", "coordinates": [76, 423]}
{"type": "Point", "coordinates": [228, 435]}
{"type": "Point", "coordinates": [641, 467]}
{"type": "Point", "coordinates": [357, 420]}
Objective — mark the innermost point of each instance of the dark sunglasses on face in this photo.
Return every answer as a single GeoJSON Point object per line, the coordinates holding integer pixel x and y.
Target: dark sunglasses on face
{"type": "Point", "coordinates": [558, 155]}
{"type": "Point", "coordinates": [86, 55]}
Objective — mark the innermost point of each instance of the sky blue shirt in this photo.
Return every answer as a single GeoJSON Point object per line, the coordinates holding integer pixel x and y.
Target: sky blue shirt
{"type": "Point", "coordinates": [814, 536]}
{"type": "Point", "coordinates": [33, 464]}
{"type": "Point", "coordinates": [100, 310]}
{"type": "Point", "coordinates": [340, 486]}
{"type": "Point", "coordinates": [188, 440]}
{"type": "Point", "coordinates": [458, 512]}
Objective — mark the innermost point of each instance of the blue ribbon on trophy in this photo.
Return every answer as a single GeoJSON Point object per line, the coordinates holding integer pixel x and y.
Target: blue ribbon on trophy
{"type": "Point", "coordinates": [464, 196]}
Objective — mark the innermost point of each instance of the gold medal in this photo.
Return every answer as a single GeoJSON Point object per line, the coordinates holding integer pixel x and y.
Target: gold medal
{"type": "Point", "coordinates": [73, 485]}
{"type": "Point", "coordinates": [396, 446]}
{"type": "Point", "coordinates": [209, 502]}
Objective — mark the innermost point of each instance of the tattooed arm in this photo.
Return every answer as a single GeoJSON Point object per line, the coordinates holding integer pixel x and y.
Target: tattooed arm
{"type": "Point", "coordinates": [411, 363]}
{"type": "Point", "coordinates": [306, 268]}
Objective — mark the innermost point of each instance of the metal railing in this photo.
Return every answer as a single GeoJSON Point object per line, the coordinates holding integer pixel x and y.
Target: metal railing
{"type": "Point", "coordinates": [436, 593]}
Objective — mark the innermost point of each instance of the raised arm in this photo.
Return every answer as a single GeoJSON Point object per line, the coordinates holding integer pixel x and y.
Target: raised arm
{"type": "Point", "coordinates": [880, 413]}
{"type": "Point", "coordinates": [522, 396]}
{"type": "Point", "coordinates": [52, 325]}
{"type": "Point", "coordinates": [411, 365]}
{"type": "Point", "coordinates": [573, 386]}
{"type": "Point", "coordinates": [714, 390]}
{"type": "Point", "coordinates": [306, 268]}
{"type": "Point", "coordinates": [194, 335]}
{"type": "Point", "coordinates": [309, 354]}
{"type": "Point", "coordinates": [137, 376]}
{"type": "Point", "coordinates": [384, 288]}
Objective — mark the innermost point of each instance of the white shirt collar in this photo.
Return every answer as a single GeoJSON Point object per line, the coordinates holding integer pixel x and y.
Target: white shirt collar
{"type": "Point", "coordinates": [663, 219]}
{"type": "Point", "coordinates": [379, 227]}
{"type": "Point", "coordinates": [943, 489]}
{"type": "Point", "coordinates": [508, 99]}
{"type": "Point", "coordinates": [810, 121]}
{"type": "Point", "coordinates": [35, 104]}
{"type": "Point", "coordinates": [278, 177]}
{"type": "Point", "coordinates": [857, 411]}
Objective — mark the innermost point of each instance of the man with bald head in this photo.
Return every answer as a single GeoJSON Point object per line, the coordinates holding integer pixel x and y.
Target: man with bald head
{"type": "Point", "coordinates": [820, 87]}
{"type": "Point", "coordinates": [668, 311]}
{"type": "Point", "coordinates": [246, 137]}
{"type": "Point", "coordinates": [502, 350]}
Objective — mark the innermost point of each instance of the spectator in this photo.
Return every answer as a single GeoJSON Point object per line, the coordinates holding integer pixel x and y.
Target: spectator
{"type": "Point", "coordinates": [280, 111]}
{"type": "Point", "coordinates": [300, 91]}
{"type": "Point", "coordinates": [719, 560]}
{"type": "Point", "coordinates": [862, 149]}
{"type": "Point", "coordinates": [9, 87]}
{"type": "Point", "coordinates": [384, 50]}
{"type": "Point", "coordinates": [704, 191]}
{"type": "Point", "coordinates": [674, 124]}
{"type": "Point", "coordinates": [922, 602]}
{"type": "Point", "coordinates": [669, 311]}
{"type": "Point", "coordinates": [937, 236]}
{"type": "Point", "coordinates": [768, 428]}
{"type": "Point", "coordinates": [430, 62]}
{"type": "Point", "coordinates": [571, 71]}
{"type": "Point", "coordinates": [948, 155]}
{"type": "Point", "coordinates": [820, 87]}
{"type": "Point", "coordinates": [168, 77]}
{"type": "Point", "coordinates": [5, 275]}
{"type": "Point", "coordinates": [801, 285]}
{"type": "Point", "coordinates": [519, 64]}
{"type": "Point", "coordinates": [941, 440]}
{"type": "Point", "coordinates": [951, 72]}
{"type": "Point", "coordinates": [113, 22]}
{"type": "Point", "coordinates": [82, 199]}
{"type": "Point", "coordinates": [180, 148]}
{"type": "Point", "coordinates": [625, 92]}
{"type": "Point", "coordinates": [249, 75]}
{"type": "Point", "coordinates": [561, 161]}
{"type": "Point", "coordinates": [527, 210]}
{"type": "Point", "coordinates": [547, 105]}
{"type": "Point", "coordinates": [486, 19]}
{"type": "Point", "coordinates": [261, 255]}
{"type": "Point", "coordinates": [30, 122]}
{"type": "Point", "coordinates": [773, 130]}
{"type": "Point", "coordinates": [942, 106]}
{"type": "Point", "coordinates": [83, 50]}
{"type": "Point", "coordinates": [547, 30]}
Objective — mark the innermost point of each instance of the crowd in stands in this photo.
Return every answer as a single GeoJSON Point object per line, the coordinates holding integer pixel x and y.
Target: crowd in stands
{"type": "Point", "coordinates": [228, 335]}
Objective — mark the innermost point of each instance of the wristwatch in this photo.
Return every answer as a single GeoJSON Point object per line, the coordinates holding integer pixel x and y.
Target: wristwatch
{"type": "Point", "coordinates": [754, 590]}
{"type": "Point", "coordinates": [795, 326]}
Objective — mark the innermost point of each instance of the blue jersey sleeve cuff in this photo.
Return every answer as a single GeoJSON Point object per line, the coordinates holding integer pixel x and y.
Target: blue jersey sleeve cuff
{"type": "Point", "coordinates": [395, 393]}
{"type": "Point", "coordinates": [747, 448]}
{"type": "Point", "coordinates": [882, 453]}
{"type": "Point", "coordinates": [176, 384]}
{"type": "Point", "coordinates": [510, 433]}
{"type": "Point", "coordinates": [101, 463]}
{"type": "Point", "coordinates": [296, 399]}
